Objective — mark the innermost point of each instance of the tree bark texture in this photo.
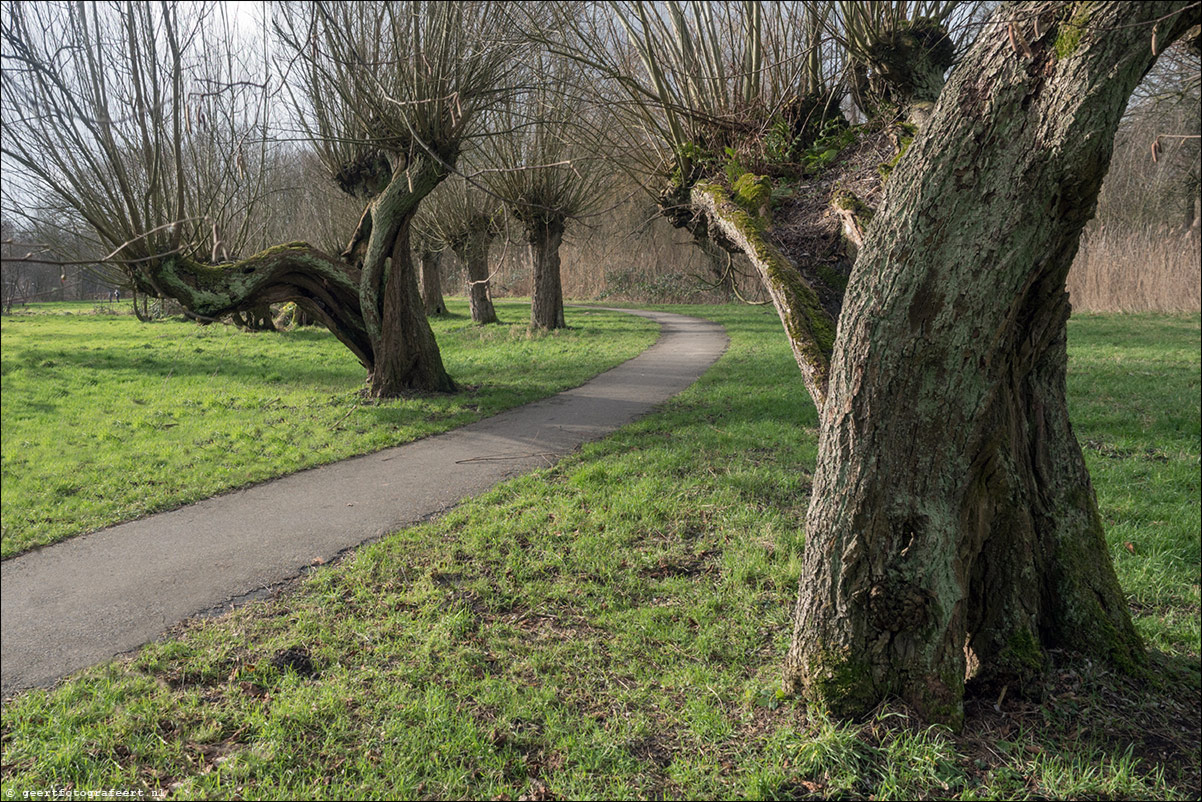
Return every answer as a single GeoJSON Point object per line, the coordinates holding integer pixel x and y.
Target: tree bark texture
{"type": "Point", "coordinates": [406, 354]}
{"type": "Point", "coordinates": [952, 527]}
{"type": "Point", "coordinates": [472, 250]}
{"type": "Point", "coordinates": [322, 285]}
{"type": "Point", "coordinates": [546, 302]}
{"type": "Point", "coordinates": [432, 284]}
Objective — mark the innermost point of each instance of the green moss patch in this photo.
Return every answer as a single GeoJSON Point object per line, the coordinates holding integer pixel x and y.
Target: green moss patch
{"type": "Point", "coordinates": [1068, 35]}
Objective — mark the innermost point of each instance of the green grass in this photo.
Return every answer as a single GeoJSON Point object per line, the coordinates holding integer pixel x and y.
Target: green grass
{"type": "Point", "coordinates": [1135, 405]}
{"type": "Point", "coordinates": [106, 419]}
{"type": "Point", "coordinates": [614, 628]}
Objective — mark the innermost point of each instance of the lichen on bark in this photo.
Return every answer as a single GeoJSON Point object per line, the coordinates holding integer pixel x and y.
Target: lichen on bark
{"type": "Point", "coordinates": [953, 534]}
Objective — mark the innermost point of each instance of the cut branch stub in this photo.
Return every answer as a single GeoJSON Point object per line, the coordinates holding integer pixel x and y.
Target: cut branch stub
{"type": "Point", "coordinates": [906, 68]}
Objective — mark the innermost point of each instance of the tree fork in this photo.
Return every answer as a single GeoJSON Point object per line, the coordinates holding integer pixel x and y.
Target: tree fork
{"type": "Point", "coordinates": [952, 525]}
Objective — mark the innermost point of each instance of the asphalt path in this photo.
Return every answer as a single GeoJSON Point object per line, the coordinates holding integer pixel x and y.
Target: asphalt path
{"type": "Point", "coordinates": [84, 600]}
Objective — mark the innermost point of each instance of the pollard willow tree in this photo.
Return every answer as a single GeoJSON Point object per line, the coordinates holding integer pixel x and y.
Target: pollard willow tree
{"type": "Point", "coordinates": [389, 92]}
{"type": "Point", "coordinates": [463, 218]}
{"type": "Point", "coordinates": [952, 531]}
{"type": "Point", "coordinates": [545, 165]}
{"type": "Point", "coordinates": [707, 92]}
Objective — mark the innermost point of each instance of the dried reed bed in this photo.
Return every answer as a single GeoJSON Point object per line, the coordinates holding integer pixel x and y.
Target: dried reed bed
{"type": "Point", "coordinates": [1125, 270]}
{"type": "Point", "coordinates": [631, 253]}
{"type": "Point", "coordinates": [628, 253]}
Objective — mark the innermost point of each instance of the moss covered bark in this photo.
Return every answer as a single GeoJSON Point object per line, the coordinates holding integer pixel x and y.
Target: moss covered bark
{"type": "Point", "coordinates": [325, 287]}
{"type": "Point", "coordinates": [953, 534]}
{"type": "Point", "coordinates": [809, 326]}
{"type": "Point", "coordinates": [369, 298]}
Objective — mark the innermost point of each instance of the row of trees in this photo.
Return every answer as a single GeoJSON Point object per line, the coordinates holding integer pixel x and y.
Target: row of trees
{"type": "Point", "coordinates": [909, 180]}
{"type": "Point", "coordinates": [394, 97]}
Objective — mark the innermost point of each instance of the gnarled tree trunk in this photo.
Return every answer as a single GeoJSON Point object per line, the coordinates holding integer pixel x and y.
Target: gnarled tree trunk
{"type": "Point", "coordinates": [472, 250]}
{"type": "Point", "coordinates": [406, 356]}
{"type": "Point", "coordinates": [432, 284]}
{"type": "Point", "coordinates": [369, 299]}
{"type": "Point", "coordinates": [546, 301]}
{"type": "Point", "coordinates": [953, 528]}
{"type": "Point", "coordinates": [326, 287]}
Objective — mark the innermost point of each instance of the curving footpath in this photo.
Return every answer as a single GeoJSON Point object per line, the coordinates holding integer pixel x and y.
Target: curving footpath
{"type": "Point", "coordinates": [85, 600]}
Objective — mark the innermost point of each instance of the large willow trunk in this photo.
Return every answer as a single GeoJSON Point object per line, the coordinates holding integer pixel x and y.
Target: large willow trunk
{"type": "Point", "coordinates": [406, 354]}
{"type": "Point", "coordinates": [472, 250]}
{"type": "Point", "coordinates": [432, 284]}
{"type": "Point", "coordinates": [953, 529]}
{"type": "Point", "coordinates": [546, 293]}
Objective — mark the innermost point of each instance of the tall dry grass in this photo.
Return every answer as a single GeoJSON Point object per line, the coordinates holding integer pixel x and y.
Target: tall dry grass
{"type": "Point", "coordinates": [627, 253]}
{"type": "Point", "coordinates": [1137, 270]}
{"type": "Point", "coordinates": [632, 254]}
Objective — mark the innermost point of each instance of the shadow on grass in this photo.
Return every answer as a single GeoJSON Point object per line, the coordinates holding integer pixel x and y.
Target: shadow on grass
{"type": "Point", "coordinates": [212, 361]}
{"type": "Point", "coordinates": [1085, 733]}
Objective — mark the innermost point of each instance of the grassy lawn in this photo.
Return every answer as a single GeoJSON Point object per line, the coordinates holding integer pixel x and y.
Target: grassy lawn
{"type": "Point", "coordinates": [106, 419]}
{"type": "Point", "coordinates": [614, 627]}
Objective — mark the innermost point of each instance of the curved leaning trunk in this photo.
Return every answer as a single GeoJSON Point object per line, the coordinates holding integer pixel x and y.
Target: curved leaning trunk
{"type": "Point", "coordinates": [325, 287]}
{"type": "Point", "coordinates": [369, 299]}
{"type": "Point", "coordinates": [952, 529]}
{"type": "Point", "coordinates": [546, 295]}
